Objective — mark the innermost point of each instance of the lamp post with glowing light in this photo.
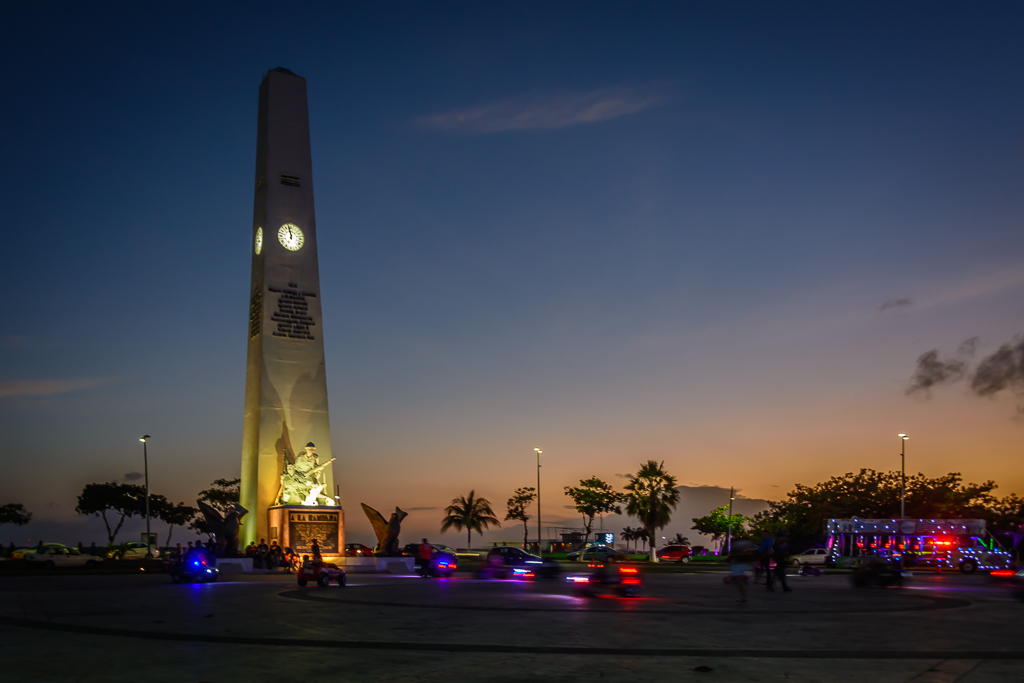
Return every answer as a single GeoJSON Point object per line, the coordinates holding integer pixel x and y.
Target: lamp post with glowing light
{"type": "Point", "coordinates": [145, 463]}
{"type": "Point", "coordinates": [903, 475]}
{"type": "Point", "coordinates": [540, 538]}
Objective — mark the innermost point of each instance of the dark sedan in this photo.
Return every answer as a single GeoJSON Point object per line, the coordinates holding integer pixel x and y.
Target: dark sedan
{"type": "Point", "coordinates": [510, 562]}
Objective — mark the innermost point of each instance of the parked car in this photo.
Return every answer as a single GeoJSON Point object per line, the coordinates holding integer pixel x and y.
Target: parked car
{"type": "Point", "coordinates": [358, 550]}
{"type": "Point", "coordinates": [413, 549]}
{"type": "Point", "coordinates": [20, 553]}
{"type": "Point", "coordinates": [597, 553]}
{"type": "Point", "coordinates": [133, 550]}
{"type": "Point", "coordinates": [812, 556]}
{"type": "Point", "coordinates": [674, 553]}
{"type": "Point", "coordinates": [51, 557]}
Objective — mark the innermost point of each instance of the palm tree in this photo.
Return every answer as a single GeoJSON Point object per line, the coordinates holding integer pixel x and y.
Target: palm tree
{"type": "Point", "coordinates": [470, 513]}
{"type": "Point", "coordinates": [651, 497]}
{"type": "Point", "coordinates": [628, 534]}
{"type": "Point", "coordinates": [680, 540]}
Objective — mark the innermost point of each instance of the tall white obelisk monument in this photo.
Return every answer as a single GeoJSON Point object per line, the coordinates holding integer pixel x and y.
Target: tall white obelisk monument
{"type": "Point", "coordinates": [285, 381]}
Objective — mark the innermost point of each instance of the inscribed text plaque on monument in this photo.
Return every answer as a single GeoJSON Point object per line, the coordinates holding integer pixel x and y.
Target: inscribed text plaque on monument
{"type": "Point", "coordinates": [303, 527]}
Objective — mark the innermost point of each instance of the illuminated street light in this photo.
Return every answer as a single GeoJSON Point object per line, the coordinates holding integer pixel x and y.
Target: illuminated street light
{"type": "Point", "coordinates": [145, 462]}
{"type": "Point", "coordinates": [903, 475]}
{"type": "Point", "coordinates": [540, 538]}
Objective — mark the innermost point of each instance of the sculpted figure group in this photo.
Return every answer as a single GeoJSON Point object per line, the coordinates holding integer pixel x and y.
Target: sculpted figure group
{"type": "Point", "coordinates": [302, 482]}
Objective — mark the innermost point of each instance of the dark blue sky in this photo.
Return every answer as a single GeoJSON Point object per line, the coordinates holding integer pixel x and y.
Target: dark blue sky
{"type": "Point", "coordinates": [615, 230]}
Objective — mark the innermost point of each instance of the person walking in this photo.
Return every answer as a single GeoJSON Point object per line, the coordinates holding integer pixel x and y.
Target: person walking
{"type": "Point", "coordinates": [743, 552]}
{"type": "Point", "coordinates": [780, 553]}
{"type": "Point", "coordinates": [764, 554]}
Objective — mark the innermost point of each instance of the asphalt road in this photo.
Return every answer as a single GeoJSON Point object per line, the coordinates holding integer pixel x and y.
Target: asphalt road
{"type": "Point", "coordinates": [394, 628]}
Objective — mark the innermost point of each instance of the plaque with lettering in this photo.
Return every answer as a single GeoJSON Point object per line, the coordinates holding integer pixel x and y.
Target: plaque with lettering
{"type": "Point", "coordinates": [304, 526]}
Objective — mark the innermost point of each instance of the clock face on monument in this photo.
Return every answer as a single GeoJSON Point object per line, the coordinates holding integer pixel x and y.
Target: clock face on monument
{"type": "Point", "coordinates": [291, 237]}
{"type": "Point", "coordinates": [259, 240]}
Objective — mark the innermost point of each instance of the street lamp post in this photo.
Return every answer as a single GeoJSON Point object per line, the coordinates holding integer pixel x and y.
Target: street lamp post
{"type": "Point", "coordinates": [145, 463]}
{"type": "Point", "coordinates": [728, 536]}
{"type": "Point", "coordinates": [903, 475]}
{"type": "Point", "coordinates": [540, 538]}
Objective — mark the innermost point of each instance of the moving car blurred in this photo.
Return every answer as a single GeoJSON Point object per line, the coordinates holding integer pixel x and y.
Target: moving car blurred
{"type": "Point", "coordinates": [877, 571]}
{"type": "Point", "coordinates": [674, 553]}
{"type": "Point", "coordinates": [358, 550]}
{"type": "Point", "coordinates": [597, 552]}
{"type": "Point", "coordinates": [60, 556]}
{"type": "Point", "coordinates": [510, 562]}
{"type": "Point", "coordinates": [624, 581]}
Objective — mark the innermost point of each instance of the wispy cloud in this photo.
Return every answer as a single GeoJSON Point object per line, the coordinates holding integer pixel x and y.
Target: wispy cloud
{"type": "Point", "coordinates": [896, 303]}
{"type": "Point", "coordinates": [544, 113]}
{"type": "Point", "coordinates": [46, 387]}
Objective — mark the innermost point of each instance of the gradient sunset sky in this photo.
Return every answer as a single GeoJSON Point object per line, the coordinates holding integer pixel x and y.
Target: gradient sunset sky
{"type": "Point", "coordinates": [714, 234]}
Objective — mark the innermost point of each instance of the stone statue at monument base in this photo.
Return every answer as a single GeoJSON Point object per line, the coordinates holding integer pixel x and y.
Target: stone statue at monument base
{"type": "Point", "coordinates": [223, 528]}
{"type": "Point", "coordinates": [386, 531]}
{"type": "Point", "coordinates": [302, 481]}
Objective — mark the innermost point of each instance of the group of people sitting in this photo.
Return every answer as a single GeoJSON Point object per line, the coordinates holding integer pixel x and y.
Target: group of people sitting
{"type": "Point", "coordinates": [272, 556]}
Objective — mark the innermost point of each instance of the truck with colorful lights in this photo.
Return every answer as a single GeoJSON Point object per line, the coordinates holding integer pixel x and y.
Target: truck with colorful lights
{"type": "Point", "coordinates": [962, 544]}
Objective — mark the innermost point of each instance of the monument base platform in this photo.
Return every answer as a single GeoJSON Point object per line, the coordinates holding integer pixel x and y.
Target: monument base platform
{"type": "Point", "coordinates": [370, 565]}
{"type": "Point", "coordinates": [296, 526]}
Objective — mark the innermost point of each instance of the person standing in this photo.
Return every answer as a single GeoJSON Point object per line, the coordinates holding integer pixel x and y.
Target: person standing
{"type": "Point", "coordinates": [261, 553]}
{"type": "Point", "coordinates": [315, 547]}
{"type": "Point", "coordinates": [780, 552]}
{"type": "Point", "coordinates": [423, 555]}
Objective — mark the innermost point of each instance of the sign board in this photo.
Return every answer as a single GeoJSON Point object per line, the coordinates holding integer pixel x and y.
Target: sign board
{"type": "Point", "coordinates": [151, 540]}
{"type": "Point", "coordinates": [305, 526]}
{"type": "Point", "coordinates": [607, 539]}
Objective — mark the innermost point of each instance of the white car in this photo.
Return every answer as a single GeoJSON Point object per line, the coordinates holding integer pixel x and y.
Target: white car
{"type": "Point", "coordinates": [134, 550]}
{"type": "Point", "coordinates": [812, 556]}
{"type": "Point", "coordinates": [62, 557]}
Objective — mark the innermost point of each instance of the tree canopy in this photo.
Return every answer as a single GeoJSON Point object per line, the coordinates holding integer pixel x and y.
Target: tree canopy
{"type": "Point", "coordinates": [516, 508]}
{"type": "Point", "coordinates": [716, 524]}
{"type": "Point", "coordinates": [873, 494]}
{"type": "Point", "coordinates": [171, 514]}
{"type": "Point", "coordinates": [651, 498]}
{"type": "Point", "coordinates": [470, 513]}
{"type": "Point", "coordinates": [122, 500]}
{"type": "Point", "coordinates": [14, 513]}
{"type": "Point", "coordinates": [593, 497]}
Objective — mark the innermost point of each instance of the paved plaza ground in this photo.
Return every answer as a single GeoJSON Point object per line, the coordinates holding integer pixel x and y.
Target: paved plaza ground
{"type": "Point", "coordinates": [393, 628]}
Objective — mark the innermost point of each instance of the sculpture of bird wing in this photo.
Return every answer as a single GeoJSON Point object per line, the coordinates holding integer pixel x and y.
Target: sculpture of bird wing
{"type": "Point", "coordinates": [212, 514]}
{"type": "Point", "coordinates": [377, 521]}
